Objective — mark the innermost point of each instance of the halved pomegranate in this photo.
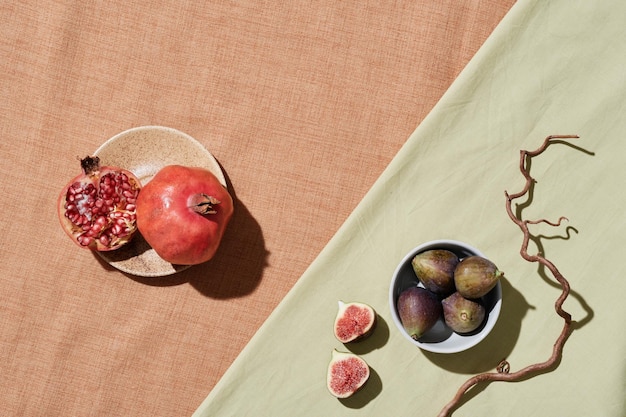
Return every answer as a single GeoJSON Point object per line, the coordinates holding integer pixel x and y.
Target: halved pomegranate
{"type": "Point", "coordinates": [97, 209]}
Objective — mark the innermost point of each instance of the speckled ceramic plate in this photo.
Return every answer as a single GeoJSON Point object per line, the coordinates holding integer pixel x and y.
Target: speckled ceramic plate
{"type": "Point", "coordinates": [144, 151]}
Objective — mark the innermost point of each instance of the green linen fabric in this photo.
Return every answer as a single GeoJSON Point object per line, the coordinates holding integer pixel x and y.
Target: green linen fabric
{"type": "Point", "coordinates": [555, 67]}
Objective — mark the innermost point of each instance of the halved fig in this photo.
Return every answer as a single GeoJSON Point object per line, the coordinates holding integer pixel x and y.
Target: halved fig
{"type": "Point", "coordinates": [347, 373]}
{"type": "Point", "coordinates": [354, 321]}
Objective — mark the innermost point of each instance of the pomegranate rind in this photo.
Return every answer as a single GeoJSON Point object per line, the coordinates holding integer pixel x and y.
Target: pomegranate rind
{"type": "Point", "coordinates": [347, 373]}
{"type": "Point", "coordinates": [354, 321]}
{"type": "Point", "coordinates": [168, 221]}
{"type": "Point", "coordinates": [118, 213]}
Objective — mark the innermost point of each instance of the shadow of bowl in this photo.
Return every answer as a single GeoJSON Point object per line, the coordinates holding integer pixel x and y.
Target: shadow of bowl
{"type": "Point", "coordinates": [497, 346]}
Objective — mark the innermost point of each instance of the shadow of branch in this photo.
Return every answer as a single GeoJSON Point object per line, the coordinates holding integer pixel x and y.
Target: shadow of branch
{"type": "Point", "coordinates": [541, 270]}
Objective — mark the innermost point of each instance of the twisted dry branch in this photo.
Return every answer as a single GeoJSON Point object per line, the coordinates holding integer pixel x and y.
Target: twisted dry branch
{"type": "Point", "coordinates": [503, 369]}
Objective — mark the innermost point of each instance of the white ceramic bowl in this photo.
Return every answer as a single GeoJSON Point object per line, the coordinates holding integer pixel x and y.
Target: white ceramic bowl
{"type": "Point", "coordinates": [441, 339]}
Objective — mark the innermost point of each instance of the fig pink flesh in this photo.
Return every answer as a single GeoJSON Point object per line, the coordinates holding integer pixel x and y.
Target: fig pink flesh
{"type": "Point", "coordinates": [347, 375]}
{"type": "Point", "coordinates": [354, 322]}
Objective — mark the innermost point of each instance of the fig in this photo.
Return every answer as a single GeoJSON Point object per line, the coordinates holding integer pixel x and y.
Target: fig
{"type": "Point", "coordinates": [462, 315]}
{"type": "Point", "coordinates": [435, 269]}
{"type": "Point", "coordinates": [354, 321]}
{"type": "Point", "coordinates": [475, 276]}
{"type": "Point", "coordinates": [347, 373]}
{"type": "Point", "coordinates": [419, 310]}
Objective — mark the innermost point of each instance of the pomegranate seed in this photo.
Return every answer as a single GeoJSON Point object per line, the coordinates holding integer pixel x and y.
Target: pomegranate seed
{"type": "Point", "coordinates": [84, 240]}
{"type": "Point", "coordinates": [105, 240]}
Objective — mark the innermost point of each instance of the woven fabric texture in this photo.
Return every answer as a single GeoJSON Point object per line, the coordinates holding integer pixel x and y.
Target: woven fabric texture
{"type": "Point", "coordinates": [303, 103]}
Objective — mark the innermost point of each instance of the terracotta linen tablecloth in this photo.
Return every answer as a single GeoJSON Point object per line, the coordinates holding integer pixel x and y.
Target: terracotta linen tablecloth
{"type": "Point", "coordinates": [548, 68]}
{"type": "Point", "coordinates": [303, 103]}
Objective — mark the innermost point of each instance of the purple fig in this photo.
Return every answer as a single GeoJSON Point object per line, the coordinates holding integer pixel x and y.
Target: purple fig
{"type": "Point", "coordinates": [461, 314]}
{"type": "Point", "coordinates": [347, 373]}
{"type": "Point", "coordinates": [435, 269]}
{"type": "Point", "coordinates": [354, 321]}
{"type": "Point", "coordinates": [419, 310]}
{"type": "Point", "coordinates": [475, 276]}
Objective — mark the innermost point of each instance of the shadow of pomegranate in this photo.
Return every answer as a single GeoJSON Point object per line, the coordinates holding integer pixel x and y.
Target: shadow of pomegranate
{"type": "Point", "coordinates": [234, 271]}
{"type": "Point", "coordinates": [237, 267]}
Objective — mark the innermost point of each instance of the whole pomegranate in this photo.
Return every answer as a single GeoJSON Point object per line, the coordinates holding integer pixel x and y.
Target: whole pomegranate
{"type": "Point", "coordinates": [182, 213]}
{"type": "Point", "coordinates": [97, 208]}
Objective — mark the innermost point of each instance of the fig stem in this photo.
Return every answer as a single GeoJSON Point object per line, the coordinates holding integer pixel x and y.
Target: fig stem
{"type": "Point", "coordinates": [503, 370]}
{"type": "Point", "coordinates": [203, 204]}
